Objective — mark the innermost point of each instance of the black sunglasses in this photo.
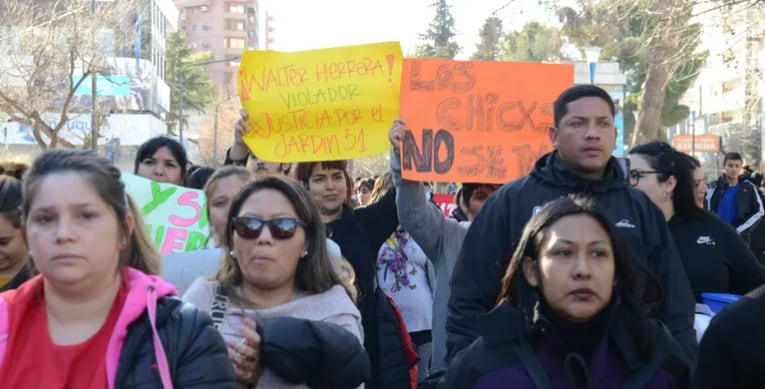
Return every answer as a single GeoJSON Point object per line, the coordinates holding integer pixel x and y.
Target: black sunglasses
{"type": "Point", "coordinates": [281, 228]}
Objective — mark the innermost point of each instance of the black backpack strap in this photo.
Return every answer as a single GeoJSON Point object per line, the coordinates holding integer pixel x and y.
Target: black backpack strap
{"type": "Point", "coordinates": [531, 363]}
{"type": "Point", "coordinates": [219, 307]}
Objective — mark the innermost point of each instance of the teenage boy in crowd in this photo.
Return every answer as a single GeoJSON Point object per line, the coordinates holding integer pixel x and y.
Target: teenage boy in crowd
{"type": "Point", "coordinates": [735, 200]}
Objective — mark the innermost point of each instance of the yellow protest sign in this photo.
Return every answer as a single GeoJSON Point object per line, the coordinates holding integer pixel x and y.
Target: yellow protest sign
{"type": "Point", "coordinates": [325, 104]}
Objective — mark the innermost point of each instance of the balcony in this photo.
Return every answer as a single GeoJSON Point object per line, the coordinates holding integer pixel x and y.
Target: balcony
{"type": "Point", "coordinates": [192, 3]}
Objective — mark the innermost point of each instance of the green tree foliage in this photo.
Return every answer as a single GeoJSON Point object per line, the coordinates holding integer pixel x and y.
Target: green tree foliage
{"type": "Point", "coordinates": [198, 89]}
{"type": "Point", "coordinates": [534, 43]}
{"type": "Point", "coordinates": [438, 41]}
{"type": "Point", "coordinates": [491, 35]}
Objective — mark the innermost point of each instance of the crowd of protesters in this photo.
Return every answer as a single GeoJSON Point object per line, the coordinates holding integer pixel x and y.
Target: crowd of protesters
{"type": "Point", "coordinates": [580, 274]}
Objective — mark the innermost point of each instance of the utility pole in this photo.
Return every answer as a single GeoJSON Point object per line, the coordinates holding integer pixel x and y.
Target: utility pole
{"type": "Point", "coordinates": [93, 89]}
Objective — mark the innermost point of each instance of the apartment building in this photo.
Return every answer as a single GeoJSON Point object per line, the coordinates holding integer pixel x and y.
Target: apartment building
{"type": "Point", "coordinates": [726, 98]}
{"type": "Point", "coordinates": [225, 28]}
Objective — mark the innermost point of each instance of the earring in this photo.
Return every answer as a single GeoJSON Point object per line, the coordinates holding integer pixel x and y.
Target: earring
{"type": "Point", "coordinates": [305, 253]}
{"type": "Point", "coordinates": [231, 253]}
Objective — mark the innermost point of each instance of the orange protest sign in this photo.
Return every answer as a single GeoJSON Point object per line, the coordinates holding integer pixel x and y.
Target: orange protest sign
{"type": "Point", "coordinates": [477, 121]}
{"type": "Point", "coordinates": [706, 143]}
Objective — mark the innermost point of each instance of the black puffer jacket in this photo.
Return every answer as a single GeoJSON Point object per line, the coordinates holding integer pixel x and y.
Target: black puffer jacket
{"type": "Point", "coordinates": [198, 358]}
{"type": "Point", "coordinates": [316, 353]}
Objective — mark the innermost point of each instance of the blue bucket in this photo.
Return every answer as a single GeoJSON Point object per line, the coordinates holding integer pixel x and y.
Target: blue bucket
{"type": "Point", "coordinates": [718, 301]}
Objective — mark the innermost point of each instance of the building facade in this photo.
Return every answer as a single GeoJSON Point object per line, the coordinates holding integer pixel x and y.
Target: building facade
{"type": "Point", "coordinates": [726, 98]}
{"type": "Point", "coordinates": [225, 28]}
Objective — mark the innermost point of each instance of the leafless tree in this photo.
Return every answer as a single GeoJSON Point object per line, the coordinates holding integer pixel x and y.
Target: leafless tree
{"type": "Point", "coordinates": [48, 50]}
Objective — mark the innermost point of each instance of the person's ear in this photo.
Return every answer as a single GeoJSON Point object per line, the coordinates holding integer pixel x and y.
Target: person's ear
{"type": "Point", "coordinates": [670, 184]}
{"type": "Point", "coordinates": [129, 227]}
{"type": "Point", "coordinates": [552, 132]}
{"type": "Point", "coordinates": [530, 271]}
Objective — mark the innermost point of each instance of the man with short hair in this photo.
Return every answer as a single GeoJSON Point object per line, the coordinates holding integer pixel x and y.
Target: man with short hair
{"type": "Point", "coordinates": [735, 200]}
{"type": "Point", "coordinates": [584, 136]}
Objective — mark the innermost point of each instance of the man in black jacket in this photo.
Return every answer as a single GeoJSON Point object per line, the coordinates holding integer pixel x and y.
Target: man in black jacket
{"type": "Point", "coordinates": [730, 355]}
{"type": "Point", "coordinates": [736, 200]}
{"type": "Point", "coordinates": [584, 136]}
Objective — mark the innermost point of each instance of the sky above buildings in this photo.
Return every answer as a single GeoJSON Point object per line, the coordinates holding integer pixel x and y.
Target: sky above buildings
{"type": "Point", "coordinates": [312, 24]}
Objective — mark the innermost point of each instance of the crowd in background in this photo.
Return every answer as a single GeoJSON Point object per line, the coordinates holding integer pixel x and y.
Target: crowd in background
{"type": "Point", "coordinates": [580, 274]}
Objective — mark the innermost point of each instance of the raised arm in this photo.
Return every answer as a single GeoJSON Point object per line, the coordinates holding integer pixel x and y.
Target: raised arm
{"type": "Point", "coordinates": [424, 222]}
{"type": "Point", "coordinates": [238, 153]}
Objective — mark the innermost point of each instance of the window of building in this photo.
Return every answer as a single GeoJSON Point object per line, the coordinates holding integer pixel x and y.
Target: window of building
{"type": "Point", "coordinates": [193, 27]}
{"type": "Point", "coordinates": [203, 8]}
{"type": "Point", "coordinates": [205, 27]}
{"type": "Point", "coordinates": [234, 25]}
{"type": "Point", "coordinates": [234, 43]}
{"type": "Point", "coordinates": [235, 8]}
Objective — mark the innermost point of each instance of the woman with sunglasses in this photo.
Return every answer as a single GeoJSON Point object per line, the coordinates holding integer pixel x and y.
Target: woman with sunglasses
{"type": "Point", "coordinates": [569, 315]}
{"type": "Point", "coordinates": [278, 266]}
{"type": "Point", "coordinates": [715, 257]}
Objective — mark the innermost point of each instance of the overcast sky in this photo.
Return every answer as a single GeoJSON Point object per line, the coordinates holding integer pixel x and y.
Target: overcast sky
{"type": "Point", "coordinates": [312, 24]}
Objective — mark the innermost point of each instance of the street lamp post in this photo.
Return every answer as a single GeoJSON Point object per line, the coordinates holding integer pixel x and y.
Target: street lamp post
{"type": "Point", "coordinates": [182, 73]}
{"type": "Point", "coordinates": [693, 131]}
{"type": "Point", "coordinates": [93, 94]}
{"type": "Point", "coordinates": [593, 55]}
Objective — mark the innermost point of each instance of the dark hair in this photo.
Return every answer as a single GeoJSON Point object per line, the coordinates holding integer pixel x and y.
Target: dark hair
{"type": "Point", "coordinates": [314, 273]}
{"type": "Point", "coordinates": [15, 169]}
{"type": "Point", "coordinates": [732, 157]}
{"type": "Point", "coordinates": [368, 183]}
{"type": "Point", "coordinates": [104, 178]}
{"type": "Point", "coordinates": [198, 178]}
{"type": "Point", "coordinates": [383, 185]}
{"type": "Point", "coordinates": [10, 200]}
{"type": "Point", "coordinates": [576, 92]}
{"type": "Point", "coordinates": [670, 162]}
{"type": "Point", "coordinates": [148, 148]}
{"type": "Point", "coordinates": [304, 170]}
{"type": "Point", "coordinates": [469, 187]}
{"type": "Point", "coordinates": [518, 292]}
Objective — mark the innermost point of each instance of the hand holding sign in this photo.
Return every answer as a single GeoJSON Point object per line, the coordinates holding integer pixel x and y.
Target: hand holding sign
{"type": "Point", "coordinates": [323, 104]}
{"type": "Point", "coordinates": [477, 121]}
{"type": "Point", "coordinates": [396, 133]}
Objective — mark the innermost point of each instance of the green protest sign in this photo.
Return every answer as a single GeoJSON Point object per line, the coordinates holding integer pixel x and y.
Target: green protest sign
{"type": "Point", "coordinates": [175, 217]}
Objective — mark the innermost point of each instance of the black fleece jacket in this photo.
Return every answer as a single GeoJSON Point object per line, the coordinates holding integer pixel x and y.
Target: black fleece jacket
{"type": "Point", "coordinates": [715, 257]}
{"type": "Point", "coordinates": [495, 232]}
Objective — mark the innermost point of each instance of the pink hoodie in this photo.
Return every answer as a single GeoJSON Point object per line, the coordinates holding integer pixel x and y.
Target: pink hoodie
{"type": "Point", "coordinates": [143, 293]}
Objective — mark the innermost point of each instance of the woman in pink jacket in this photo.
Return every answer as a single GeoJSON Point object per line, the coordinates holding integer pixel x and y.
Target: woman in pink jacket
{"type": "Point", "coordinates": [96, 316]}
